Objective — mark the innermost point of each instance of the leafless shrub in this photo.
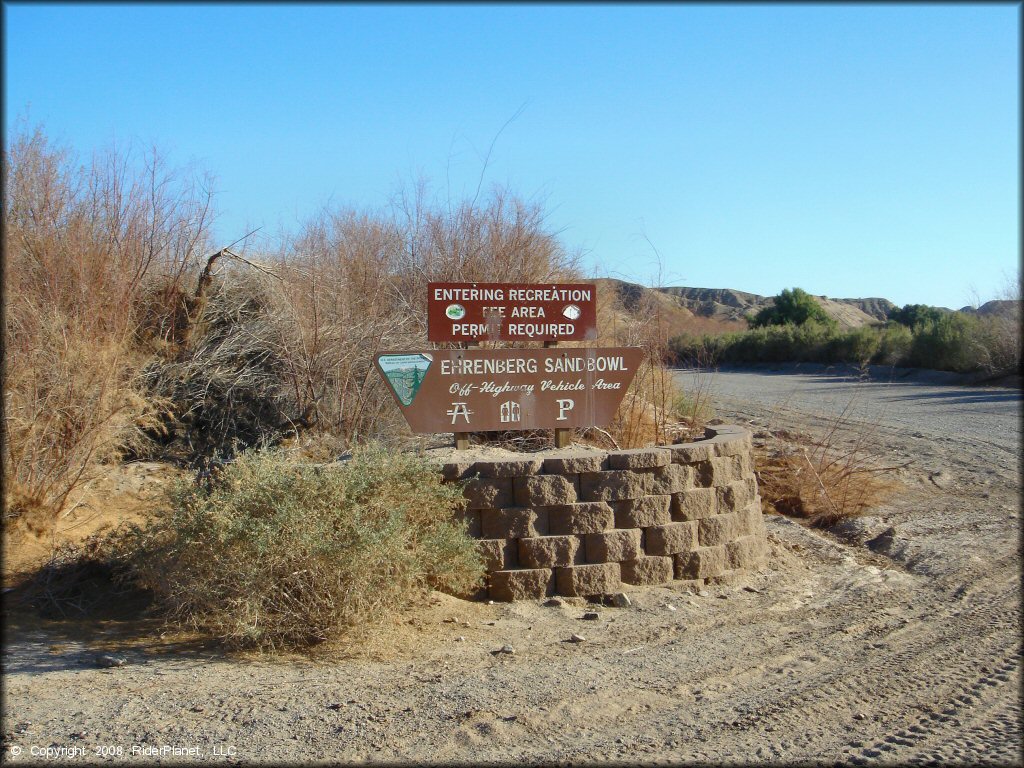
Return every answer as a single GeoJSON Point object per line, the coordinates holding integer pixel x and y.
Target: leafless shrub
{"type": "Point", "coordinates": [642, 416]}
{"type": "Point", "coordinates": [999, 333]}
{"type": "Point", "coordinates": [82, 243]}
{"type": "Point", "coordinates": [824, 478]}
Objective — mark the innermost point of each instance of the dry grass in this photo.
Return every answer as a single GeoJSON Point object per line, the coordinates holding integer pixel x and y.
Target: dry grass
{"type": "Point", "coordinates": [699, 325]}
{"type": "Point", "coordinates": [83, 244]}
{"type": "Point", "coordinates": [827, 477]}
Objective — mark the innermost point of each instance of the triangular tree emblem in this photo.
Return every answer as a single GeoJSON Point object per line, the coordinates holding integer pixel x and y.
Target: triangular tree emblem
{"type": "Point", "coordinates": [405, 374]}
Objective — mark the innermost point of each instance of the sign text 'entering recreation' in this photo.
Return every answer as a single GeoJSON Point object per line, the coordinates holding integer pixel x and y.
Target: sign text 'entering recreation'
{"type": "Point", "coordinates": [473, 312]}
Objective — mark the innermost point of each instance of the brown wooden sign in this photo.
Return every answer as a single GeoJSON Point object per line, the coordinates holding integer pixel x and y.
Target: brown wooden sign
{"type": "Point", "coordinates": [473, 312]}
{"type": "Point", "coordinates": [482, 390]}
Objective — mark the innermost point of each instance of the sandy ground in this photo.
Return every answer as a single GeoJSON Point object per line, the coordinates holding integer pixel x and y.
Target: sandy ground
{"type": "Point", "coordinates": [894, 638]}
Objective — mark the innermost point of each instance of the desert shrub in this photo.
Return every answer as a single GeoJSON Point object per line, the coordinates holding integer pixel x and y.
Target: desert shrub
{"type": "Point", "coordinates": [953, 341]}
{"type": "Point", "coordinates": [859, 346]}
{"type": "Point", "coordinates": [794, 307]}
{"type": "Point", "coordinates": [948, 342]}
{"type": "Point", "coordinates": [233, 385]}
{"type": "Point", "coordinates": [82, 244]}
{"type": "Point", "coordinates": [893, 344]}
{"type": "Point", "coordinates": [837, 473]}
{"type": "Point", "coordinates": [998, 339]}
{"type": "Point", "coordinates": [912, 315]}
{"type": "Point", "coordinates": [776, 343]}
{"type": "Point", "coordinates": [273, 553]}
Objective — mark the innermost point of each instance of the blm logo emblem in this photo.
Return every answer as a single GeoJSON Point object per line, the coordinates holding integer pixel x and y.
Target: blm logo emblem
{"type": "Point", "coordinates": [405, 374]}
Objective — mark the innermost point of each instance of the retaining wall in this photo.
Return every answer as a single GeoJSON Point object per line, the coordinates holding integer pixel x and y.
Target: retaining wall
{"type": "Point", "coordinates": [582, 524]}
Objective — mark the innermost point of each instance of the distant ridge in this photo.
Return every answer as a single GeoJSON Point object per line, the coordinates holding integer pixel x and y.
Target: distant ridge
{"type": "Point", "coordinates": [729, 304]}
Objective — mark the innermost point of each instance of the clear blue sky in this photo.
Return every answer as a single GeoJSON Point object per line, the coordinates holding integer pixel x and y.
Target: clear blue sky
{"type": "Point", "coordinates": [851, 150]}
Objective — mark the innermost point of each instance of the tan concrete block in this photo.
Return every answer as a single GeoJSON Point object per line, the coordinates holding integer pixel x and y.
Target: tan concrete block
{"type": "Point", "coordinates": [513, 522]}
{"type": "Point", "coordinates": [694, 504]}
{"type": "Point", "coordinates": [643, 512]}
{"type": "Point", "coordinates": [671, 539]}
{"type": "Point", "coordinates": [701, 563]}
{"type": "Point", "coordinates": [545, 490]}
{"type": "Point", "coordinates": [574, 463]}
{"type": "Point", "coordinates": [614, 546]}
{"type": "Point", "coordinates": [614, 485]}
{"type": "Point", "coordinates": [507, 468]}
{"type": "Point", "coordinates": [588, 580]}
{"type": "Point", "coordinates": [585, 517]}
{"type": "Point", "coordinates": [749, 520]}
{"type": "Point", "coordinates": [498, 554]}
{"type": "Point", "coordinates": [648, 570]}
{"type": "Point", "coordinates": [717, 530]}
{"type": "Point", "coordinates": [715, 472]}
{"type": "Point", "coordinates": [470, 518]}
{"type": "Point", "coordinates": [723, 470]}
{"type": "Point", "coordinates": [691, 453]}
{"type": "Point", "coordinates": [456, 470]}
{"type": "Point", "coordinates": [531, 584]}
{"type": "Point", "coordinates": [672, 478]}
{"type": "Point", "coordinates": [484, 493]}
{"type": "Point", "coordinates": [733, 444]}
{"type": "Point", "coordinates": [702, 474]}
{"type": "Point", "coordinates": [639, 458]}
{"type": "Point", "coordinates": [746, 552]}
{"type": "Point", "coordinates": [550, 551]}
{"type": "Point", "coordinates": [751, 483]}
{"type": "Point", "coordinates": [755, 518]}
{"type": "Point", "coordinates": [742, 465]}
{"type": "Point", "coordinates": [736, 495]}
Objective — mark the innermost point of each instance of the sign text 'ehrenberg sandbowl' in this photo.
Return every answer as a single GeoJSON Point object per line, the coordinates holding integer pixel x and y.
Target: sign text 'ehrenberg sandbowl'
{"type": "Point", "coordinates": [482, 390]}
{"type": "Point", "coordinates": [473, 312]}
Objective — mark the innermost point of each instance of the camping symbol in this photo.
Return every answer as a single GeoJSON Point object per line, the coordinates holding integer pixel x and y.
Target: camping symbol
{"type": "Point", "coordinates": [572, 312]}
{"type": "Point", "coordinates": [405, 374]}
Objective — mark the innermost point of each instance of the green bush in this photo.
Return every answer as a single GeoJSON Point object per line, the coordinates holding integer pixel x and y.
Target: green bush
{"type": "Point", "coordinates": [952, 341]}
{"type": "Point", "coordinates": [915, 314]}
{"type": "Point", "coordinates": [275, 553]}
{"type": "Point", "coordinates": [859, 346]}
{"type": "Point", "coordinates": [894, 344]}
{"type": "Point", "coordinates": [948, 342]}
{"type": "Point", "coordinates": [794, 307]}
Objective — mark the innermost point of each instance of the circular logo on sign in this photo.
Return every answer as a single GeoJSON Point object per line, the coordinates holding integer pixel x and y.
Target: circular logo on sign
{"type": "Point", "coordinates": [455, 311]}
{"type": "Point", "coordinates": [572, 312]}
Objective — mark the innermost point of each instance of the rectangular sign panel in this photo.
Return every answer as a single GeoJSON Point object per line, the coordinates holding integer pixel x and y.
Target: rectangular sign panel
{"type": "Point", "coordinates": [473, 312]}
{"type": "Point", "coordinates": [483, 390]}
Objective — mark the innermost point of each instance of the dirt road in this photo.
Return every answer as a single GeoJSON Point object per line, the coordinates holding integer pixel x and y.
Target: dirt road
{"type": "Point", "coordinates": [894, 639]}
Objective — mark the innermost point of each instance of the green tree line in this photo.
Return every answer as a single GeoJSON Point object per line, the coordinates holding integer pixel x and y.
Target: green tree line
{"type": "Point", "coordinates": [797, 329]}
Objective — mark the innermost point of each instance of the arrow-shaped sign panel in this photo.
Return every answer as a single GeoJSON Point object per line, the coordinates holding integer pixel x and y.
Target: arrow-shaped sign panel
{"type": "Point", "coordinates": [485, 390]}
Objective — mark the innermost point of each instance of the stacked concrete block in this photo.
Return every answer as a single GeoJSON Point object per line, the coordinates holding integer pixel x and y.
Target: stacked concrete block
{"type": "Point", "coordinates": [586, 517]}
{"type": "Point", "coordinates": [648, 570]}
{"type": "Point", "coordinates": [584, 523]}
{"type": "Point", "coordinates": [587, 580]}
{"type": "Point", "coordinates": [550, 551]}
{"type": "Point", "coordinates": [614, 546]}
